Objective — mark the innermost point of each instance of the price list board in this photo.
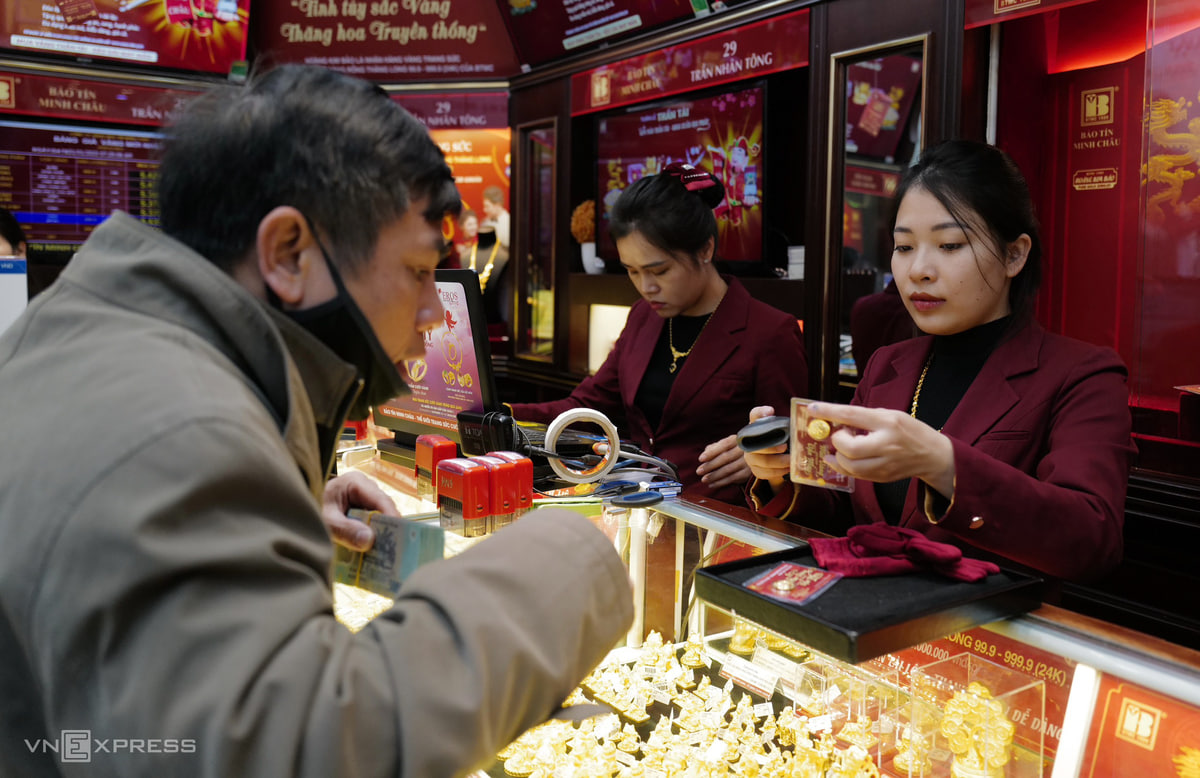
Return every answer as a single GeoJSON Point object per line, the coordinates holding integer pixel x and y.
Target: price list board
{"type": "Point", "coordinates": [61, 181]}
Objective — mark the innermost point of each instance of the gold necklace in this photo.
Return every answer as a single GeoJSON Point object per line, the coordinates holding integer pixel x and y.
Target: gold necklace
{"type": "Point", "coordinates": [676, 354]}
{"type": "Point", "coordinates": [487, 269]}
{"type": "Point", "coordinates": [920, 383]}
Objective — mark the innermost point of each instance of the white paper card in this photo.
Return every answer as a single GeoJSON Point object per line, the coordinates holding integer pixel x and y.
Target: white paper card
{"type": "Point", "coordinates": [14, 290]}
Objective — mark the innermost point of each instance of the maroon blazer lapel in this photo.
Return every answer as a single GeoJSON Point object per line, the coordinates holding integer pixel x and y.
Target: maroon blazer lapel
{"type": "Point", "coordinates": [713, 347]}
{"type": "Point", "coordinates": [992, 395]}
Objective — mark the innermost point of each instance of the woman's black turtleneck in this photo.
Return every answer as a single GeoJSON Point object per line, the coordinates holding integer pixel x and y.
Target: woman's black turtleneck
{"type": "Point", "coordinates": [656, 384]}
{"type": "Point", "coordinates": [954, 363]}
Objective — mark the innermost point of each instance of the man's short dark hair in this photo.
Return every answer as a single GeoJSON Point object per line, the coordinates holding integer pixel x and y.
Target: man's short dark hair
{"type": "Point", "coordinates": [335, 147]}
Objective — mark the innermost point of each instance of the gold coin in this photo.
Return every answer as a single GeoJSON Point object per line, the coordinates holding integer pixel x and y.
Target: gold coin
{"type": "Point", "coordinates": [784, 585]}
{"type": "Point", "coordinates": [818, 429]}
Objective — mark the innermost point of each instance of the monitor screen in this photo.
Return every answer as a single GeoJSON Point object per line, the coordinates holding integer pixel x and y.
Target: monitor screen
{"type": "Point", "coordinates": [61, 180]}
{"type": "Point", "coordinates": [543, 31]}
{"type": "Point", "coordinates": [199, 35]}
{"type": "Point", "coordinates": [722, 134]}
{"type": "Point", "coordinates": [456, 372]}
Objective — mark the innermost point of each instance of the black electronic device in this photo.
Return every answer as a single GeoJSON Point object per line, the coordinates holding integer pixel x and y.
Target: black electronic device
{"type": "Point", "coordinates": [480, 433]}
{"type": "Point", "coordinates": [763, 433]}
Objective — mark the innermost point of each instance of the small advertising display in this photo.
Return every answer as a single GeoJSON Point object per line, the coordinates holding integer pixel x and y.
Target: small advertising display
{"type": "Point", "coordinates": [722, 134]}
{"type": "Point", "coordinates": [446, 380]}
{"type": "Point", "coordinates": [199, 35]}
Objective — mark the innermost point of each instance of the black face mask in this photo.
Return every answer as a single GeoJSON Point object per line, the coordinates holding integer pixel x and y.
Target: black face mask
{"type": "Point", "coordinates": [341, 325]}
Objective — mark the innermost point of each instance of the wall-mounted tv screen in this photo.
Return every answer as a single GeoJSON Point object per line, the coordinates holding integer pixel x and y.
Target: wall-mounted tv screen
{"type": "Point", "coordinates": [722, 134]}
{"type": "Point", "coordinates": [198, 35]}
{"type": "Point", "coordinates": [543, 31]}
{"type": "Point", "coordinates": [61, 180]}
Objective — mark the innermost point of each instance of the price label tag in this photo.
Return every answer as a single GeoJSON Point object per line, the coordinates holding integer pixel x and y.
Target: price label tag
{"type": "Point", "coordinates": [823, 723]}
{"type": "Point", "coordinates": [763, 709]}
{"type": "Point", "coordinates": [629, 760]}
{"type": "Point", "coordinates": [749, 675]}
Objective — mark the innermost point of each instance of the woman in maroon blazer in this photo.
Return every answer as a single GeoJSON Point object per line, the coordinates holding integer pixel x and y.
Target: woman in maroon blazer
{"type": "Point", "coordinates": [697, 352]}
{"type": "Point", "coordinates": [993, 433]}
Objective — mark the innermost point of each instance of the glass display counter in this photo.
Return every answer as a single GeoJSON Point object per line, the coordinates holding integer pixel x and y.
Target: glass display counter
{"type": "Point", "coordinates": [699, 690]}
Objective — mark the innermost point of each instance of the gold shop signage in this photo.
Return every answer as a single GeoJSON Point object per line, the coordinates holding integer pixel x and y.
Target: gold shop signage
{"type": "Point", "coordinates": [758, 49]}
{"type": "Point", "coordinates": [981, 12]}
{"type": "Point", "coordinates": [1100, 178]}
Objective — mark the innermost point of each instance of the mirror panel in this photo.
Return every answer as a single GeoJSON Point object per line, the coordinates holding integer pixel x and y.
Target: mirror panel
{"type": "Point", "coordinates": [877, 132]}
{"type": "Point", "coordinates": [535, 308]}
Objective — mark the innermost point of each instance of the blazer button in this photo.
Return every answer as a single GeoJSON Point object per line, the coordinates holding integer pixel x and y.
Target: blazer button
{"type": "Point", "coordinates": [976, 522]}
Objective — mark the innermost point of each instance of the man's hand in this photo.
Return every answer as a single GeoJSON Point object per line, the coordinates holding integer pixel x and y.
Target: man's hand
{"type": "Point", "coordinates": [353, 490]}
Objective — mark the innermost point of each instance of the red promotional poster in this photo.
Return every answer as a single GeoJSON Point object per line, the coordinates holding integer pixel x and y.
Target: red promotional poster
{"type": "Point", "coordinates": [61, 181]}
{"type": "Point", "coordinates": [880, 94]}
{"type": "Point", "coordinates": [200, 35]}
{"type": "Point", "coordinates": [1138, 732]}
{"type": "Point", "coordinates": [758, 49]}
{"type": "Point", "coordinates": [479, 159]}
{"type": "Point", "coordinates": [388, 40]}
{"type": "Point", "coordinates": [545, 30]}
{"type": "Point", "coordinates": [721, 134]}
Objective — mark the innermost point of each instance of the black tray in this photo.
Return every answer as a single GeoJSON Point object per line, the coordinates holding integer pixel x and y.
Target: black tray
{"type": "Point", "coordinates": [857, 619]}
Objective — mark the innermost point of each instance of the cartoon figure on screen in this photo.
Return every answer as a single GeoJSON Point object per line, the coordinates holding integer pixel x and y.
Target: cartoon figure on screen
{"type": "Point", "coordinates": [739, 176]}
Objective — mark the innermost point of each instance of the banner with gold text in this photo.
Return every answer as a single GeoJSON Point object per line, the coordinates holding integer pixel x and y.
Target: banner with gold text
{"type": "Point", "coordinates": [769, 46]}
{"type": "Point", "coordinates": [389, 40]}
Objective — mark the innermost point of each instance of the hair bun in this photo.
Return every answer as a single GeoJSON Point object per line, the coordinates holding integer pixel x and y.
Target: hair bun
{"type": "Point", "coordinates": [712, 195]}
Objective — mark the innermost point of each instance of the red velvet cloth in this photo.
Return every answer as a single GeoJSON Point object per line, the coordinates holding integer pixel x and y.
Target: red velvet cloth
{"type": "Point", "coordinates": [881, 549]}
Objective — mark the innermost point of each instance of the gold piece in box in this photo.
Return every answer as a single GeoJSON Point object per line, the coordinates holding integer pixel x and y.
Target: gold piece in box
{"type": "Point", "coordinates": [978, 733]}
{"type": "Point", "coordinates": [859, 733]}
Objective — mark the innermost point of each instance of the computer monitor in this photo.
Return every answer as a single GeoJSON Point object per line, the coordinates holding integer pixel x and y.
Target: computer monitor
{"type": "Point", "coordinates": [454, 375]}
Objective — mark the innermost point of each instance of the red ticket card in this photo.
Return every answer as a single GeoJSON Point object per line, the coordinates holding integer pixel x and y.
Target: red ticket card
{"type": "Point", "coordinates": [791, 582]}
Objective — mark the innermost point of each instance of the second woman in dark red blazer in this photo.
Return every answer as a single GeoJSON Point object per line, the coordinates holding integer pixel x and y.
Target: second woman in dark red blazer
{"type": "Point", "coordinates": [992, 434]}
{"type": "Point", "coordinates": [697, 352]}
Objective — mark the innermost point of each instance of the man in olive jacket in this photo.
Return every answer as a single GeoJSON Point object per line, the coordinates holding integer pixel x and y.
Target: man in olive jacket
{"type": "Point", "coordinates": [168, 410]}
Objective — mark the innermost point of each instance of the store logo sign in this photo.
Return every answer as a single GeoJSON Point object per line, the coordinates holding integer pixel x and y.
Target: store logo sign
{"type": "Point", "coordinates": [1138, 724]}
{"type": "Point", "coordinates": [1097, 106]}
{"type": "Point", "coordinates": [601, 88]}
{"type": "Point", "coordinates": [1007, 6]}
{"type": "Point", "coordinates": [8, 92]}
